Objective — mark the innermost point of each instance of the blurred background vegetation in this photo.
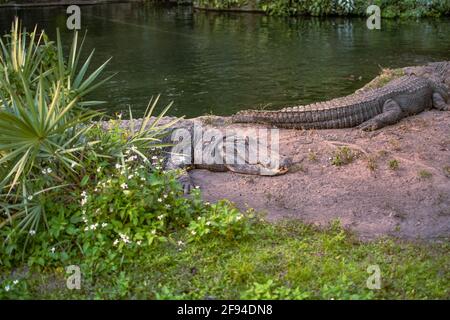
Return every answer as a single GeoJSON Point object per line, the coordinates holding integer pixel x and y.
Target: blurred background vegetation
{"type": "Point", "coordinates": [389, 8]}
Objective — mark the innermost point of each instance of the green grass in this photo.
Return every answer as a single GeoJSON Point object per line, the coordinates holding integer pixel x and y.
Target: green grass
{"type": "Point", "coordinates": [284, 261]}
{"type": "Point", "coordinates": [424, 174]}
{"type": "Point", "coordinates": [393, 164]}
{"type": "Point", "coordinates": [342, 156]}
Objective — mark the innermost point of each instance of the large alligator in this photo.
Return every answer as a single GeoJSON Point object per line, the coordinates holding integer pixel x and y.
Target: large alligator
{"type": "Point", "coordinates": [368, 109]}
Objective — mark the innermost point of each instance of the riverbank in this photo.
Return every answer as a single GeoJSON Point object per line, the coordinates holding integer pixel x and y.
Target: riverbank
{"type": "Point", "coordinates": [52, 3]}
{"type": "Point", "coordinates": [392, 9]}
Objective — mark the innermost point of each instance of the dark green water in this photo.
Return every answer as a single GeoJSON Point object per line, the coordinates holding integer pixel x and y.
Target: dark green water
{"type": "Point", "coordinates": [221, 63]}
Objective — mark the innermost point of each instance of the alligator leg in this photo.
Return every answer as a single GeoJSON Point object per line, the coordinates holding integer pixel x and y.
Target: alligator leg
{"type": "Point", "coordinates": [392, 113]}
{"type": "Point", "coordinates": [439, 102]}
{"type": "Point", "coordinates": [181, 162]}
{"type": "Point", "coordinates": [186, 182]}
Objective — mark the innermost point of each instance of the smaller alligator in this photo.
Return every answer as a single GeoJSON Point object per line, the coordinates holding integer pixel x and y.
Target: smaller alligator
{"type": "Point", "coordinates": [368, 109]}
{"type": "Point", "coordinates": [195, 146]}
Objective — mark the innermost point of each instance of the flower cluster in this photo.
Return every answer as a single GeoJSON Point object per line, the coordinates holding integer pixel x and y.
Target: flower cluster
{"type": "Point", "coordinates": [47, 171]}
{"type": "Point", "coordinates": [84, 198]}
{"type": "Point", "coordinates": [8, 287]}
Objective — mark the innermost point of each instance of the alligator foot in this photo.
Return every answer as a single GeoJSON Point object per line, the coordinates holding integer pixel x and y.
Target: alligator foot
{"type": "Point", "coordinates": [439, 102]}
{"type": "Point", "coordinates": [186, 183]}
{"type": "Point", "coordinates": [370, 125]}
{"type": "Point", "coordinates": [392, 113]}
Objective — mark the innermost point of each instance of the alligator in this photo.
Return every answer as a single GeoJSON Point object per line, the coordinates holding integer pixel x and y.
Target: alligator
{"type": "Point", "coordinates": [194, 146]}
{"type": "Point", "coordinates": [369, 109]}
{"type": "Point", "coordinates": [199, 144]}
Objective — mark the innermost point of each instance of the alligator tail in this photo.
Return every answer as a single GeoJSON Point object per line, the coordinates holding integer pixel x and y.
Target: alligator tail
{"type": "Point", "coordinates": [315, 116]}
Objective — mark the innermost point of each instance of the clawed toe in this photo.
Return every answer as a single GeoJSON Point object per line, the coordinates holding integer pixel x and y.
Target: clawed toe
{"type": "Point", "coordinates": [366, 127]}
{"type": "Point", "coordinates": [187, 188]}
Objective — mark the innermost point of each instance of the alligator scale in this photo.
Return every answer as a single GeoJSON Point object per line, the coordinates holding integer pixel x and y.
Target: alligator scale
{"type": "Point", "coordinates": [369, 110]}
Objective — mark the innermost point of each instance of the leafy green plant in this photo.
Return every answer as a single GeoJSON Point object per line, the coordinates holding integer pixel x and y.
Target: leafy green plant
{"type": "Point", "coordinates": [220, 220]}
{"type": "Point", "coordinates": [27, 58]}
{"type": "Point", "coordinates": [273, 291]}
{"type": "Point", "coordinates": [343, 155]}
{"type": "Point", "coordinates": [424, 174]}
{"type": "Point", "coordinates": [393, 164]}
{"type": "Point", "coordinates": [42, 120]}
{"type": "Point", "coordinates": [389, 9]}
{"type": "Point", "coordinates": [447, 171]}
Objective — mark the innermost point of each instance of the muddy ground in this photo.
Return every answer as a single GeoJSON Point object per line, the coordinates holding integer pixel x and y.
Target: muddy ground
{"type": "Point", "coordinates": [398, 182]}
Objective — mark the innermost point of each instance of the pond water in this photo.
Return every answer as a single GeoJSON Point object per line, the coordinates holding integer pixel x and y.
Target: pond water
{"type": "Point", "coordinates": [222, 63]}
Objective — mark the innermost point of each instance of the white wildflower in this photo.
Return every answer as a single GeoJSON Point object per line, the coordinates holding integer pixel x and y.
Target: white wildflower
{"type": "Point", "coordinates": [30, 197]}
{"type": "Point", "coordinates": [132, 158]}
{"type": "Point", "coordinates": [139, 242]}
{"type": "Point", "coordinates": [208, 223]}
{"type": "Point", "coordinates": [16, 281]}
{"type": "Point", "coordinates": [124, 186]}
{"type": "Point", "coordinates": [32, 232]}
{"type": "Point", "coordinates": [7, 288]}
{"type": "Point", "coordinates": [160, 217]}
{"type": "Point", "coordinates": [160, 200]}
{"type": "Point", "coordinates": [125, 238]}
{"type": "Point", "coordinates": [104, 224]}
{"type": "Point", "coordinates": [193, 232]}
{"type": "Point", "coordinates": [47, 171]}
{"type": "Point", "coordinates": [118, 166]}
{"type": "Point", "coordinates": [52, 250]}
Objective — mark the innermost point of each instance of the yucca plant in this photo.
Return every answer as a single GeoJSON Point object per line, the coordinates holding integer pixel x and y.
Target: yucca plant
{"type": "Point", "coordinates": [40, 110]}
{"type": "Point", "coordinates": [43, 119]}
{"type": "Point", "coordinates": [38, 128]}
{"type": "Point", "coordinates": [46, 136]}
{"type": "Point", "coordinates": [29, 57]}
